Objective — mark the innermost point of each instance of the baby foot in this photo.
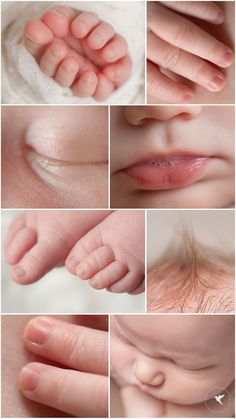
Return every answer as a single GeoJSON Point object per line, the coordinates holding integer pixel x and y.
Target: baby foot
{"type": "Point", "coordinates": [38, 241]}
{"type": "Point", "coordinates": [111, 255]}
{"type": "Point", "coordinates": [79, 51]}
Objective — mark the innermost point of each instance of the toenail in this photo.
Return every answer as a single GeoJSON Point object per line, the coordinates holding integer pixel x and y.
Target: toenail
{"type": "Point", "coordinates": [93, 283]}
{"type": "Point", "coordinates": [71, 264]}
{"type": "Point", "coordinates": [110, 53]}
{"type": "Point", "coordinates": [216, 83]}
{"type": "Point", "coordinates": [18, 273]}
{"type": "Point", "coordinates": [69, 66]}
{"type": "Point", "coordinates": [80, 271]}
{"type": "Point", "coordinates": [29, 379]}
{"type": "Point", "coordinates": [97, 39]}
{"type": "Point", "coordinates": [38, 331]}
{"type": "Point", "coordinates": [56, 50]}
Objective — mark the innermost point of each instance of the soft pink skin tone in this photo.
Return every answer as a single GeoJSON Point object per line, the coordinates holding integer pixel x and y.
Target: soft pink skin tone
{"type": "Point", "coordinates": [54, 157]}
{"type": "Point", "coordinates": [190, 52]}
{"type": "Point", "coordinates": [79, 51]}
{"type": "Point", "coordinates": [66, 381]}
{"type": "Point", "coordinates": [138, 133]}
{"type": "Point", "coordinates": [111, 255]}
{"type": "Point", "coordinates": [175, 360]}
{"type": "Point", "coordinates": [38, 241]}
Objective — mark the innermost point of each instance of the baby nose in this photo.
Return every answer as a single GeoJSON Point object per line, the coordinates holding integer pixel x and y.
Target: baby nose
{"type": "Point", "coordinates": [148, 373]}
{"type": "Point", "coordinates": [139, 115]}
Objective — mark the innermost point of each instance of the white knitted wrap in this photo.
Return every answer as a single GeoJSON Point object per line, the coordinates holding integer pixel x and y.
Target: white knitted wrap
{"type": "Point", "coordinates": [24, 82]}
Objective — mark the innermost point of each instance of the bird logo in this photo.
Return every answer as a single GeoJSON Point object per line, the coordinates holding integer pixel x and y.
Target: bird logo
{"type": "Point", "coordinates": [219, 398]}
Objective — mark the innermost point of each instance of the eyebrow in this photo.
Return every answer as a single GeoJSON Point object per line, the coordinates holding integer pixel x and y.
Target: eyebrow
{"type": "Point", "coordinates": [192, 278]}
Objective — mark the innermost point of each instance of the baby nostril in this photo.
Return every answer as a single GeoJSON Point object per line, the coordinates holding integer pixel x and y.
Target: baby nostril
{"type": "Point", "coordinates": [158, 380]}
{"type": "Point", "coordinates": [148, 376]}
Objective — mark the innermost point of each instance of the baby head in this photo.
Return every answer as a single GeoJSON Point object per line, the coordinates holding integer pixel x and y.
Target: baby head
{"type": "Point", "coordinates": [192, 278]}
{"type": "Point", "coordinates": [174, 358]}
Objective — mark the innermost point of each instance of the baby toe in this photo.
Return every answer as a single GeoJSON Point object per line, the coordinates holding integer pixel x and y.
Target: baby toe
{"type": "Point", "coordinates": [115, 49]}
{"type": "Point", "coordinates": [58, 20]}
{"type": "Point", "coordinates": [104, 88]}
{"type": "Point", "coordinates": [22, 242]}
{"type": "Point", "coordinates": [110, 274]}
{"type": "Point", "coordinates": [100, 35]}
{"type": "Point", "coordinates": [85, 86]}
{"type": "Point", "coordinates": [128, 283]}
{"type": "Point", "coordinates": [95, 262]}
{"type": "Point", "coordinates": [52, 57]}
{"type": "Point", "coordinates": [36, 35]}
{"type": "Point", "coordinates": [38, 32]}
{"type": "Point", "coordinates": [67, 72]}
{"type": "Point", "coordinates": [119, 72]}
{"type": "Point", "coordinates": [83, 24]}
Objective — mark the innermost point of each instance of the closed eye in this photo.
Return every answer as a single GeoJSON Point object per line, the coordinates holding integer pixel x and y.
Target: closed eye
{"type": "Point", "coordinates": [47, 162]}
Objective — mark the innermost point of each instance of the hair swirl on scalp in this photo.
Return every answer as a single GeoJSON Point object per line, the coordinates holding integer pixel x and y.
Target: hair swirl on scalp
{"type": "Point", "coordinates": [192, 278]}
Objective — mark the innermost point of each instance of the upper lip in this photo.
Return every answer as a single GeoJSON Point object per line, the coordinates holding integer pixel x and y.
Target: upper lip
{"type": "Point", "coordinates": [163, 157]}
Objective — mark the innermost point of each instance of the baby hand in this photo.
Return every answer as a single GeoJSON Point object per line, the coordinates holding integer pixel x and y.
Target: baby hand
{"type": "Point", "coordinates": [79, 386]}
{"type": "Point", "coordinates": [79, 51]}
{"type": "Point", "coordinates": [177, 46]}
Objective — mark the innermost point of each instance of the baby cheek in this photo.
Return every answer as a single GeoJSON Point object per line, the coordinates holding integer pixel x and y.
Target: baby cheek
{"type": "Point", "coordinates": [193, 387]}
{"type": "Point", "coordinates": [122, 360]}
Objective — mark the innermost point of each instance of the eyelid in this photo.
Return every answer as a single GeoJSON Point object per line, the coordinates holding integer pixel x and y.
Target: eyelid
{"type": "Point", "coordinates": [122, 337]}
{"type": "Point", "coordinates": [46, 161]}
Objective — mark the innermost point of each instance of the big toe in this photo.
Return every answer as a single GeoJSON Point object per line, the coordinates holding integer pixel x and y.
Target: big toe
{"type": "Point", "coordinates": [36, 36]}
{"type": "Point", "coordinates": [21, 243]}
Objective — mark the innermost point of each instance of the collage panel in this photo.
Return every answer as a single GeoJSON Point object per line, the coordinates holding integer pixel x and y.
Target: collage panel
{"type": "Point", "coordinates": [74, 52]}
{"type": "Point", "coordinates": [190, 52]}
{"type": "Point", "coordinates": [55, 157]}
{"type": "Point", "coordinates": [191, 261]}
{"type": "Point", "coordinates": [172, 156]}
{"type": "Point", "coordinates": [172, 365]}
{"type": "Point", "coordinates": [95, 258]}
{"type": "Point", "coordinates": [47, 359]}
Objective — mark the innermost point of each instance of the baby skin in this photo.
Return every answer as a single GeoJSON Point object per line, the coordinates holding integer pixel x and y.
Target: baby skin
{"type": "Point", "coordinates": [79, 51]}
{"type": "Point", "coordinates": [75, 370]}
{"type": "Point", "coordinates": [92, 247]}
{"type": "Point", "coordinates": [174, 366]}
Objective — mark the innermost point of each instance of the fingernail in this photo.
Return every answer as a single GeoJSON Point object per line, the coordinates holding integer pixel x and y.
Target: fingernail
{"type": "Point", "coordinates": [217, 83]}
{"type": "Point", "coordinates": [187, 98]}
{"type": "Point", "coordinates": [220, 18]}
{"type": "Point", "coordinates": [18, 274]}
{"type": "Point", "coordinates": [29, 379]}
{"type": "Point", "coordinates": [228, 58]}
{"type": "Point", "coordinates": [38, 331]}
{"type": "Point", "coordinates": [71, 264]}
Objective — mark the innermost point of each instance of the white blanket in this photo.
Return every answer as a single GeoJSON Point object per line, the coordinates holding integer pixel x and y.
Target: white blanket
{"type": "Point", "coordinates": [24, 82]}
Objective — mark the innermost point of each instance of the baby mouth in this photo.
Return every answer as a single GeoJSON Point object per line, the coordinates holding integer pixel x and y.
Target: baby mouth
{"type": "Point", "coordinates": [168, 173]}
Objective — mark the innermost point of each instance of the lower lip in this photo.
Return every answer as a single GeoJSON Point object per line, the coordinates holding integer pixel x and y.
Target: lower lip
{"type": "Point", "coordinates": [172, 173]}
